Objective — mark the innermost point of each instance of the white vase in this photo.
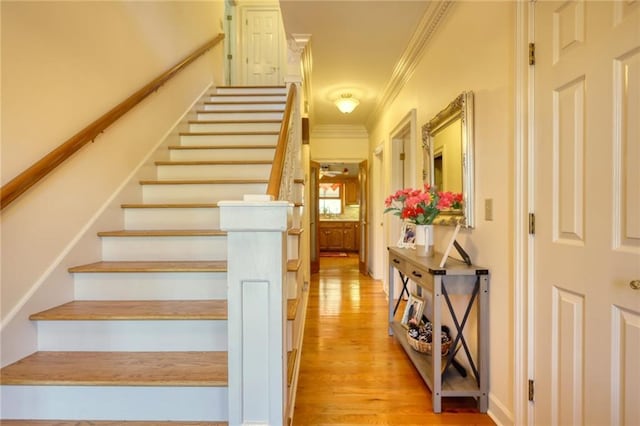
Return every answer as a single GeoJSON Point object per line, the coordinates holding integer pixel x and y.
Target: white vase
{"type": "Point", "coordinates": [424, 240]}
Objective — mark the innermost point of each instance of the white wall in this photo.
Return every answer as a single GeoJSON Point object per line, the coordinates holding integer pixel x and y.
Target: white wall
{"type": "Point", "coordinates": [473, 50]}
{"type": "Point", "coordinates": [63, 65]}
{"type": "Point", "coordinates": [339, 142]}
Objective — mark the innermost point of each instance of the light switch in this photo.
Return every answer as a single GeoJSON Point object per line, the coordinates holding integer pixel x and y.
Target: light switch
{"type": "Point", "coordinates": [488, 209]}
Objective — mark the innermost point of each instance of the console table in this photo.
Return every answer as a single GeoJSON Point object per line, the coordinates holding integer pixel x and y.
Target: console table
{"type": "Point", "coordinates": [455, 278]}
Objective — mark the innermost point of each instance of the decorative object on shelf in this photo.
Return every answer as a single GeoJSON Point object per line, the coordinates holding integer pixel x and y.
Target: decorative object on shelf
{"type": "Point", "coordinates": [413, 311]}
{"type": "Point", "coordinates": [421, 207]}
{"type": "Point", "coordinates": [452, 241]}
{"type": "Point", "coordinates": [424, 240]}
{"type": "Point", "coordinates": [420, 337]}
{"type": "Point", "coordinates": [407, 235]}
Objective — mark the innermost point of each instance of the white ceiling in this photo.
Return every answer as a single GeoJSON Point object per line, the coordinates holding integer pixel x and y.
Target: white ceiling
{"type": "Point", "coordinates": [355, 47]}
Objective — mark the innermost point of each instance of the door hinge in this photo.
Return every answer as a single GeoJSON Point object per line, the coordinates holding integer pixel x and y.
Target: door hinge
{"type": "Point", "coordinates": [532, 53]}
{"type": "Point", "coordinates": [402, 156]}
{"type": "Point", "coordinates": [530, 390]}
{"type": "Point", "coordinates": [532, 223]}
{"type": "Point", "coordinates": [229, 56]}
{"type": "Point", "coordinates": [229, 17]}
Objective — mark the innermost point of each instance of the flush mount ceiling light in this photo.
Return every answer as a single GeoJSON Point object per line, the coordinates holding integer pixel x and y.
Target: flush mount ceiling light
{"type": "Point", "coordinates": [346, 103]}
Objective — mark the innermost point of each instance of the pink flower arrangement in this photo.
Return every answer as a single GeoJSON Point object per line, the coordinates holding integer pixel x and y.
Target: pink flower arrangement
{"type": "Point", "coordinates": [421, 206]}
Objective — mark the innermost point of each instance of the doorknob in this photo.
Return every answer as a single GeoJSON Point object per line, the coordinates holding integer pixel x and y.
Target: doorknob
{"type": "Point", "coordinates": [634, 284]}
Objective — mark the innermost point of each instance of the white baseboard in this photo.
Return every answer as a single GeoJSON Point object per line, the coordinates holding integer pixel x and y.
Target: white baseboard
{"type": "Point", "coordinates": [499, 412]}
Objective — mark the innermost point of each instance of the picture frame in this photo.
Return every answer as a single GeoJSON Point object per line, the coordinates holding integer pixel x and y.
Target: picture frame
{"type": "Point", "coordinates": [407, 235]}
{"type": "Point", "coordinates": [413, 310]}
{"type": "Point", "coordinates": [445, 255]}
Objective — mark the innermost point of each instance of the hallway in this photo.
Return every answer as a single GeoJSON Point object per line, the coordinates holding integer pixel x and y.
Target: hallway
{"type": "Point", "coordinates": [352, 372]}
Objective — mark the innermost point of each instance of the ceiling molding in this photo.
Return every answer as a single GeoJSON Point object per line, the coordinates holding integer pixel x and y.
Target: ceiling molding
{"type": "Point", "coordinates": [411, 57]}
{"type": "Point", "coordinates": [344, 131]}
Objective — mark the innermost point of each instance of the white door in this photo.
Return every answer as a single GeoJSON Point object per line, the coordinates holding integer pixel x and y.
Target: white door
{"type": "Point", "coordinates": [587, 207]}
{"type": "Point", "coordinates": [262, 34]}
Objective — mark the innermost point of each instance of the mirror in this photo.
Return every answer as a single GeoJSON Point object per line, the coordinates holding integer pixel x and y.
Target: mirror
{"type": "Point", "coordinates": [447, 142]}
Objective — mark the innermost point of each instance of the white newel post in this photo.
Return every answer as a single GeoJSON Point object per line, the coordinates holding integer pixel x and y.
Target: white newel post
{"type": "Point", "coordinates": [256, 277]}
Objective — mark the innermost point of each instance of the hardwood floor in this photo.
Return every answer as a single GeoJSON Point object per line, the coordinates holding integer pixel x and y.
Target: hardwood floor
{"type": "Point", "coordinates": [352, 371]}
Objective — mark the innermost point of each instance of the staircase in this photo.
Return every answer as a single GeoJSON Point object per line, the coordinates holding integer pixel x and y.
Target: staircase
{"type": "Point", "coordinates": [145, 339]}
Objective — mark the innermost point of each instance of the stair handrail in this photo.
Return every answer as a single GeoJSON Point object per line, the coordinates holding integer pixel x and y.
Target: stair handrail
{"type": "Point", "coordinates": [25, 180]}
{"type": "Point", "coordinates": [277, 169]}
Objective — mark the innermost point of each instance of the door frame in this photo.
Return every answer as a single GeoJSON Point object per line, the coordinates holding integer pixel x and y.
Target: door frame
{"type": "Point", "coordinates": [523, 162]}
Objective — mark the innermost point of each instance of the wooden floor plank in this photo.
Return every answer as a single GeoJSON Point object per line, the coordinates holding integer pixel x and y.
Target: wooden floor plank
{"type": "Point", "coordinates": [153, 266]}
{"type": "Point", "coordinates": [351, 371]}
{"type": "Point", "coordinates": [118, 369]}
{"type": "Point", "coordinates": [90, 310]}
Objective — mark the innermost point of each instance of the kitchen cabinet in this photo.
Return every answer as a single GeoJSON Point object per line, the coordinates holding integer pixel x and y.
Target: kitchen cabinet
{"type": "Point", "coordinates": [339, 236]}
{"type": "Point", "coordinates": [351, 192]}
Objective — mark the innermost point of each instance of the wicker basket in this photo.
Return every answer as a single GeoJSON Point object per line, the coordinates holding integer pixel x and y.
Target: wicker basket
{"type": "Point", "coordinates": [424, 347]}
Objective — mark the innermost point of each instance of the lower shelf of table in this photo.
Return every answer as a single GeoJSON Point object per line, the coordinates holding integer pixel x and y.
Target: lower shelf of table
{"type": "Point", "coordinates": [453, 384]}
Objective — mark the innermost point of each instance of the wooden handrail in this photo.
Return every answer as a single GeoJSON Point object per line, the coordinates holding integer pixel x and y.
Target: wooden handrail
{"type": "Point", "coordinates": [275, 178]}
{"type": "Point", "coordinates": [25, 180]}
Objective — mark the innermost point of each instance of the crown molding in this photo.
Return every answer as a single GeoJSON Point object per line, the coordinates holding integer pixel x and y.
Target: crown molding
{"type": "Point", "coordinates": [405, 67]}
{"type": "Point", "coordinates": [345, 131]}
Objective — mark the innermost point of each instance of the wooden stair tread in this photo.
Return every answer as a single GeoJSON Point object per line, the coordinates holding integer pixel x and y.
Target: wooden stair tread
{"type": "Point", "coordinates": [214, 163]}
{"type": "Point", "coordinates": [248, 121]}
{"type": "Point", "coordinates": [277, 86]}
{"type": "Point", "coordinates": [105, 423]}
{"type": "Point", "coordinates": [294, 264]}
{"type": "Point", "coordinates": [183, 147]}
{"type": "Point", "coordinates": [264, 102]}
{"type": "Point", "coordinates": [169, 206]}
{"type": "Point", "coordinates": [202, 181]}
{"type": "Point", "coordinates": [228, 133]}
{"type": "Point", "coordinates": [291, 362]}
{"type": "Point", "coordinates": [90, 310]}
{"type": "Point", "coordinates": [292, 309]}
{"type": "Point", "coordinates": [246, 94]}
{"type": "Point", "coordinates": [236, 111]}
{"type": "Point", "coordinates": [118, 369]}
{"type": "Point", "coordinates": [154, 266]}
{"type": "Point", "coordinates": [164, 233]}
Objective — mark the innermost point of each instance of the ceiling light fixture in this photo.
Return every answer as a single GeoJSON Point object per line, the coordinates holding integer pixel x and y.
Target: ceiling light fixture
{"type": "Point", "coordinates": [346, 103]}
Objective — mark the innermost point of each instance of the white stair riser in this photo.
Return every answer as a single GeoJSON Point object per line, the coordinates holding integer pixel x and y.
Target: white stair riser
{"type": "Point", "coordinates": [185, 403]}
{"type": "Point", "coordinates": [248, 98]}
{"type": "Point", "coordinates": [275, 106]}
{"type": "Point", "coordinates": [223, 116]}
{"type": "Point", "coordinates": [221, 154]}
{"type": "Point", "coordinates": [296, 217]}
{"type": "Point", "coordinates": [251, 90]}
{"type": "Point", "coordinates": [225, 139]}
{"type": "Point", "coordinates": [124, 335]}
{"type": "Point", "coordinates": [249, 126]}
{"type": "Point", "coordinates": [150, 286]}
{"type": "Point", "coordinates": [164, 248]}
{"type": "Point", "coordinates": [199, 193]}
{"type": "Point", "coordinates": [292, 246]}
{"type": "Point", "coordinates": [214, 171]}
{"type": "Point", "coordinates": [170, 218]}
{"type": "Point", "coordinates": [294, 283]}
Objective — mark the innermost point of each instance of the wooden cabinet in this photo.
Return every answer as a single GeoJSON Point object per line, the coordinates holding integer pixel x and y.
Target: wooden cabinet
{"type": "Point", "coordinates": [339, 236]}
{"type": "Point", "coordinates": [351, 192]}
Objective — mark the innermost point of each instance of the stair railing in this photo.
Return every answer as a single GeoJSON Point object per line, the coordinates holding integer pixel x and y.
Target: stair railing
{"type": "Point", "coordinates": [25, 180]}
{"type": "Point", "coordinates": [286, 158]}
{"type": "Point", "coordinates": [257, 283]}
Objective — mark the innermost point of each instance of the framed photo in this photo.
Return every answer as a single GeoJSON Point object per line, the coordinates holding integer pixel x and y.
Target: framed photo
{"type": "Point", "coordinates": [413, 310]}
{"type": "Point", "coordinates": [445, 255]}
{"type": "Point", "coordinates": [407, 235]}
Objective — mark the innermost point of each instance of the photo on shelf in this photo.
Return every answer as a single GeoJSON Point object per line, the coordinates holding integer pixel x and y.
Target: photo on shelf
{"type": "Point", "coordinates": [407, 235]}
{"type": "Point", "coordinates": [413, 310]}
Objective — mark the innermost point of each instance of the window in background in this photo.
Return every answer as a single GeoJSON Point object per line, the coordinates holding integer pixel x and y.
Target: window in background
{"type": "Point", "coordinates": [330, 198]}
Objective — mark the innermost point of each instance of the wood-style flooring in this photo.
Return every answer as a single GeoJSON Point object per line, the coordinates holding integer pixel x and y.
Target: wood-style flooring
{"type": "Point", "coordinates": [352, 372]}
